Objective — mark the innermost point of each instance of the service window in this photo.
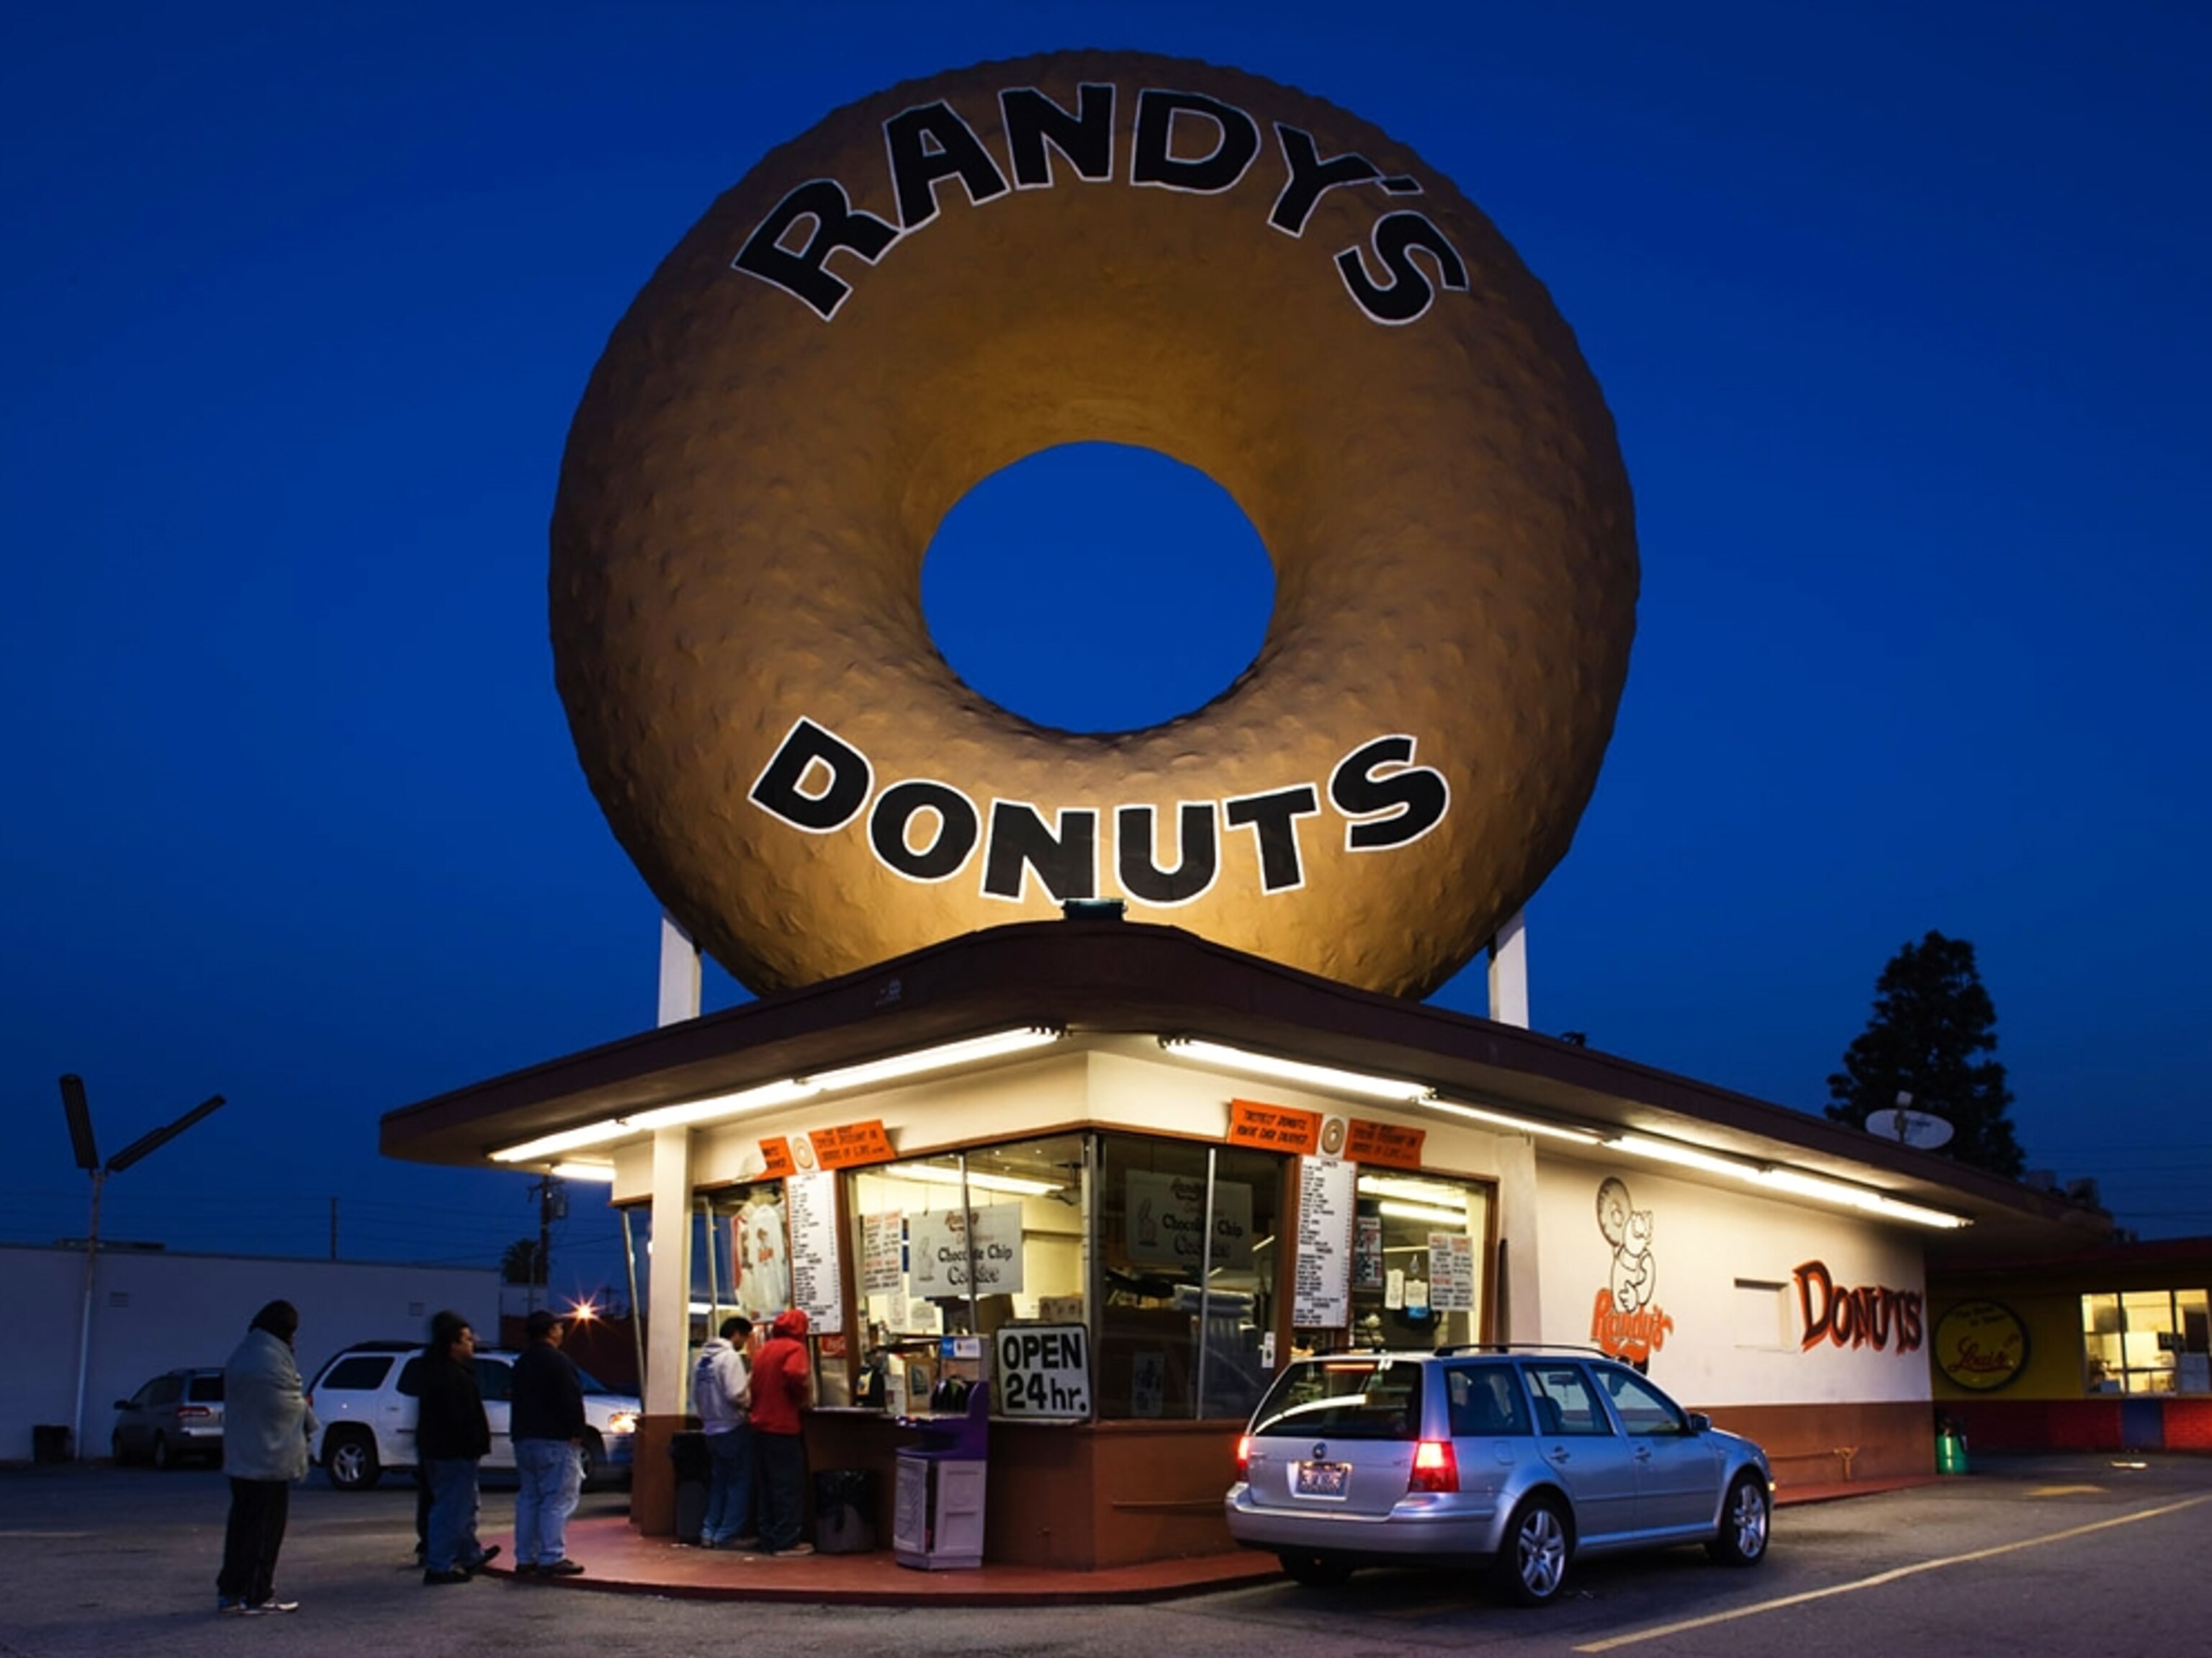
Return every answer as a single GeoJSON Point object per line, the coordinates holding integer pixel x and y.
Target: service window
{"type": "Point", "coordinates": [1419, 1254]}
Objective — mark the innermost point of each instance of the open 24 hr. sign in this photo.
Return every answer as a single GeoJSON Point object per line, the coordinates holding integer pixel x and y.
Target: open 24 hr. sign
{"type": "Point", "coordinates": [1043, 1370]}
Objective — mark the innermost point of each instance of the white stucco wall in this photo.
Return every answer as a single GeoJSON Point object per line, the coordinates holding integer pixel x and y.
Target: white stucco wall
{"type": "Point", "coordinates": [158, 1310]}
{"type": "Point", "coordinates": [1723, 1267]}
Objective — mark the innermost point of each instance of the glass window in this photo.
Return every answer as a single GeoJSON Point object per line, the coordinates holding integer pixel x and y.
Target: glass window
{"type": "Point", "coordinates": [168, 1390]}
{"type": "Point", "coordinates": [362, 1371]}
{"type": "Point", "coordinates": [1419, 1249]}
{"type": "Point", "coordinates": [1345, 1399]}
{"type": "Point", "coordinates": [492, 1378]}
{"type": "Point", "coordinates": [1643, 1409]}
{"type": "Point", "coordinates": [1485, 1398]}
{"type": "Point", "coordinates": [963, 1244]}
{"type": "Point", "coordinates": [2150, 1341]}
{"type": "Point", "coordinates": [410, 1378]}
{"type": "Point", "coordinates": [1565, 1407]}
{"type": "Point", "coordinates": [206, 1387]}
{"type": "Point", "coordinates": [1187, 1243]}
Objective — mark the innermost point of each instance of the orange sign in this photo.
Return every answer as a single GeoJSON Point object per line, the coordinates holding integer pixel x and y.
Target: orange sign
{"type": "Point", "coordinates": [1385, 1145]}
{"type": "Point", "coordinates": [852, 1144]}
{"type": "Point", "coordinates": [776, 1157]}
{"type": "Point", "coordinates": [1273, 1128]}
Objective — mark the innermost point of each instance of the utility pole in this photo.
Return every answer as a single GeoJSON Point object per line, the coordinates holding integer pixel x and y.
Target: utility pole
{"type": "Point", "coordinates": [552, 1205]}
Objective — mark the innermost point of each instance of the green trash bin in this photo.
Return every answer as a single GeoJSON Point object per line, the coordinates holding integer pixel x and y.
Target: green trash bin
{"type": "Point", "coordinates": [1950, 1453]}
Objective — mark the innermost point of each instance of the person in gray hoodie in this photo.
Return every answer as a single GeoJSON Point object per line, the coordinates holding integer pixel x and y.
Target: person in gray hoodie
{"type": "Point", "coordinates": [266, 1429]}
{"type": "Point", "coordinates": [721, 1394]}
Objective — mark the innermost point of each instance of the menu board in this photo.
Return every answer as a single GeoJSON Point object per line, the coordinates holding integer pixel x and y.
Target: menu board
{"type": "Point", "coordinates": [1367, 1252]}
{"type": "Point", "coordinates": [812, 1201]}
{"type": "Point", "coordinates": [882, 1241]}
{"type": "Point", "coordinates": [1451, 1272]}
{"type": "Point", "coordinates": [1321, 1295]}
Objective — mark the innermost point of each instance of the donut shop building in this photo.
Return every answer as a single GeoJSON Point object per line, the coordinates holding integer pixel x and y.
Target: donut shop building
{"type": "Point", "coordinates": [1122, 1173]}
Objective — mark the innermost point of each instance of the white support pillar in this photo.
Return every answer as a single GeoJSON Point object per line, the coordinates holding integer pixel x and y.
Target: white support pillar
{"type": "Point", "coordinates": [1508, 973]}
{"type": "Point", "coordinates": [668, 1289]}
{"type": "Point", "coordinates": [679, 973]}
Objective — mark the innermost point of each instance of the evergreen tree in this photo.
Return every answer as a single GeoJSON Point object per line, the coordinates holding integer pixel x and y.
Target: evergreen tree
{"type": "Point", "coordinates": [1933, 1031]}
{"type": "Point", "coordinates": [523, 1262]}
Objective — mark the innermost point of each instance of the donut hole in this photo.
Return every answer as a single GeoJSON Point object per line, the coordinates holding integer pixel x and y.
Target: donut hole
{"type": "Point", "coordinates": [1097, 588]}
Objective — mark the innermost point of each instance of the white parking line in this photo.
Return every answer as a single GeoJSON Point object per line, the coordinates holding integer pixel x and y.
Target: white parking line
{"type": "Point", "coordinates": [1879, 1578]}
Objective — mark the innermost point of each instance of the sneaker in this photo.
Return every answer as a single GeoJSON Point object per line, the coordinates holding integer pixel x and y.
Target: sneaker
{"type": "Point", "coordinates": [228, 1608]}
{"type": "Point", "coordinates": [272, 1604]}
{"type": "Point", "coordinates": [745, 1543]}
{"type": "Point", "coordinates": [456, 1575]}
{"type": "Point", "coordinates": [563, 1567]}
{"type": "Point", "coordinates": [482, 1560]}
{"type": "Point", "coordinates": [798, 1548]}
{"type": "Point", "coordinates": [524, 1569]}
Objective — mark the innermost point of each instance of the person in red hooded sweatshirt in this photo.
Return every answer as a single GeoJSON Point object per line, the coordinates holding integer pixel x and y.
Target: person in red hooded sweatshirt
{"type": "Point", "coordinates": [781, 1383]}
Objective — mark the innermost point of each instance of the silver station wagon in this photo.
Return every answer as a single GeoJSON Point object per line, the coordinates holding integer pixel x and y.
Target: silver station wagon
{"type": "Point", "coordinates": [1522, 1460]}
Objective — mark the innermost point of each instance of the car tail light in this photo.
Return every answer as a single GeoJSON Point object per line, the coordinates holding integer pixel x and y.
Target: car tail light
{"type": "Point", "coordinates": [1243, 1454]}
{"type": "Point", "coordinates": [188, 1413]}
{"type": "Point", "coordinates": [1435, 1467]}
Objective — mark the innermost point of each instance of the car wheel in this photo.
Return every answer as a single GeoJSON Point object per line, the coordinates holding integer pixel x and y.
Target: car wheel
{"type": "Point", "coordinates": [1744, 1517]}
{"type": "Point", "coordinates": [1531, 1568]}
{"type": "Point", "coordinates": [595, 1459]}
{"type": "Point", "coordinates": [350, 1460]}
{"type": "Point", "coordinates": [164, 1458]}
{"type": "Point", "coordinates": [1315, 1571]}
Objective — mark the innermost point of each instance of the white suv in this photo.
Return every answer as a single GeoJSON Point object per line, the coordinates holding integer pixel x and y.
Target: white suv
{"type": "Point", "coordinates": [367, 1397]}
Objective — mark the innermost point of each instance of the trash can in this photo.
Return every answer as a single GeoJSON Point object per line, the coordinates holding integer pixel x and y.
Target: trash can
{"type": "Point", "coordinates": [1950, 1452]}
{"type": "Point", "coordinates": [50, 1441]}
{"type": "Point", "coordinates": [695, 1476]}
{"type": "Point", "coordinates": [938, 1508]}
{"type": "Point", "coordinates": [845, 1511]}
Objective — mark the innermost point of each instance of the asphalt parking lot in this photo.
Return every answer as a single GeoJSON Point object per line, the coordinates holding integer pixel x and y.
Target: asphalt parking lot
{"type": "Point", "coordinates": [2080, 1554]}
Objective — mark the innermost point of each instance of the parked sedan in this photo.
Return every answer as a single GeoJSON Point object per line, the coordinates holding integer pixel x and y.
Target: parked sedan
{"type": "Point", "coordinates": [1522, 1461]}
{"type": "Point", "coordinates": [176, 1417]}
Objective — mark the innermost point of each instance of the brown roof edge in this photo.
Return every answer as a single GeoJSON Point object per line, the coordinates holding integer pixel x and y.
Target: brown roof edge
{"type": "Point", "coordinates": [1107, 975]}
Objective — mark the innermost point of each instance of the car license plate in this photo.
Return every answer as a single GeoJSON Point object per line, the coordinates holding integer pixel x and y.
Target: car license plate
{"type": "Point", "coordinates": [1322, 1478]}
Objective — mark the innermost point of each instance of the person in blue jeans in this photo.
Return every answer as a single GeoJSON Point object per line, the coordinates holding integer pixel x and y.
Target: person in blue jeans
{"type": "Point", "coordinates": [721, 1396]}
{"type": "Point", "coordinates": [547, 1429]}
{"type": "Point", "coordinates": [452, 1436]}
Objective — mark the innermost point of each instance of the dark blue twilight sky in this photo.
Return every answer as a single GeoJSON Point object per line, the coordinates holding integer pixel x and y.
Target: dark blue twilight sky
{"type": "Point", "coordinates": [1902, 319]}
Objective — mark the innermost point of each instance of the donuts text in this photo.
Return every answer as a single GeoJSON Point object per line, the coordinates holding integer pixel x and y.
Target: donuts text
{"type": "Point", "coordinates": [925, 830]}
{"type": "Point", "coordinates": [1180, 140]}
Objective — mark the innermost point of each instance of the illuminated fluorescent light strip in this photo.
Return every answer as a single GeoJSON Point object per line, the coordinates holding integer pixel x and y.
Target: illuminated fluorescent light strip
{"type": "Point", "coordinates": [597, 1173]}
{"type": "Point", "coordinates": [1519, 1124]}
{"type": "Point", "coordinates": [1791, 1181]}
{"type": "Point", "coordinates": [1325, 1077]}
{"type": "Point", "coordinates": [573, 1139]}
{"type": "Point", "coordinates": [935, 1058]}
{"type": "Point", "coordinates": [769, 1094]}
{"type": "Point", "coordinates": [938, 1174]}
{"type": "Point", "coordinates": [1423, 1212]}
{"type": "Point", "coordinates": [724, 1104]}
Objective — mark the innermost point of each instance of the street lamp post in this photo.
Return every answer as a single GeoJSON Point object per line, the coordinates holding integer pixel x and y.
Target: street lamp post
{"type": "Point", "coordinates": [79, 1112]}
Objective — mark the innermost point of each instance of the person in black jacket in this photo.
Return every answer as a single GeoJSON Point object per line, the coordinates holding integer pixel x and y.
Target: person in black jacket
{"type": "Point", "coordinates": [547, 1427]}
{"type": "Point", "coordinates": [451, 1435]}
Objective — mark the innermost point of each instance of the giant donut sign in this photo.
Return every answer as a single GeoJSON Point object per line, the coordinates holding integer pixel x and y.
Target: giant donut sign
{"type": "Point", "coordinates": [943, 278]}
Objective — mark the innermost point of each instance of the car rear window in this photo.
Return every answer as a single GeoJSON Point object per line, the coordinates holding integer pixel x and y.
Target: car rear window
{"type": "Point", "coordinates": [1345, 1399]}
{"type": "Point", "coordinates": [207, 1389]}
{"type": "Point", "coordinates": [1485, 1398]}
{"type": "Point", "coordinates": [359, 1373]}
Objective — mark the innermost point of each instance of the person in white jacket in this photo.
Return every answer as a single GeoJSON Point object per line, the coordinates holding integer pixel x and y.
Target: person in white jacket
{"type": "Point", "coordinates": [721, 1394]}
{"type": "Point", "coordinates": [266, 1431]}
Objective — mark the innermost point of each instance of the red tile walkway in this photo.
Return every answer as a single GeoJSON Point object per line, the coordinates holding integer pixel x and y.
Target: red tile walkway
{"type": "Point", "coordinates": [617, 1559]}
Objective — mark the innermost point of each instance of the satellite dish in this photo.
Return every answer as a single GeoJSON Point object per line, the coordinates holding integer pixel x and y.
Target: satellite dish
{"type": "Point", "coordinates": [1909, 1128]}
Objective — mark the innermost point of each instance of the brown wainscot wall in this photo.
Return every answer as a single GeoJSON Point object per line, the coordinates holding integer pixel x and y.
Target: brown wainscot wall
{"type": "Point", "coordinates": [1831, 1444]}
